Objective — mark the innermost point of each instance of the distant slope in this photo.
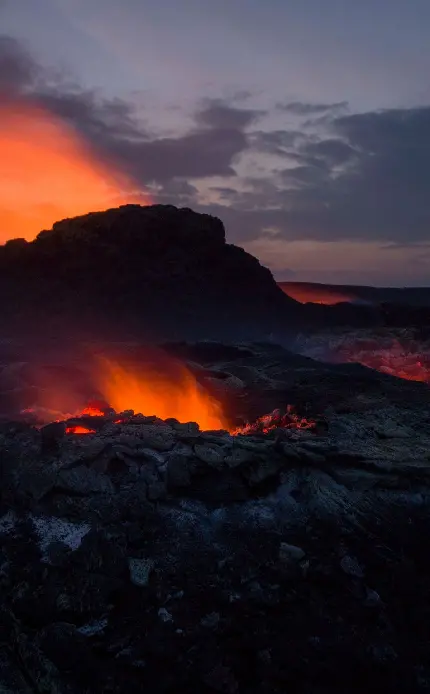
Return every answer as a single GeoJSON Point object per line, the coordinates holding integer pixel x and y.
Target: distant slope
{"type": "Point", "coordinates": [330, 294]}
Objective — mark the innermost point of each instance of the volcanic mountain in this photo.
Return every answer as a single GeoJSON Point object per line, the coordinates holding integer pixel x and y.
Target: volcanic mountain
{"type": "Point", "coordinates": [155, 272]}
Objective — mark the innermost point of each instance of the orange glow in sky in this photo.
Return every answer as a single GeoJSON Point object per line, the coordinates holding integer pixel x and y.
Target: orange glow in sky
{"type": "Point", "coordinates": [47, 173]}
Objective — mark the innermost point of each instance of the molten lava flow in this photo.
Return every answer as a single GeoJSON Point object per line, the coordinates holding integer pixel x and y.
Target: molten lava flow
{"type": "Point", "coordinates": [79, 430]}
{"type": "Point", "coordinates": [395, 354]}
{"type": "Point", "coordinates": [316, 294]}
{"type": "Point", "coordinates": [276, 420]}
{"type": "Point", "coordinates": [166, 390]}
{"type": "Point", "coordinates": [95, 408]}
{"type": "Point", "coordinates": [47, 173]}
{"type": "Point", "coordinates": [396, 359]}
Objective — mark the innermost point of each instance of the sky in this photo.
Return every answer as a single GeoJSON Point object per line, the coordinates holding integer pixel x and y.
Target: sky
{"type": "Point", "coordinates": [304, 125]}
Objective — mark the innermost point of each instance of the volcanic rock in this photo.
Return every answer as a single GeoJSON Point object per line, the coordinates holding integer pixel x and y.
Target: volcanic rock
{"type": "Point", "coordinates": [284, 563]}
{"type": "Point", "coordinates": [156, 272]}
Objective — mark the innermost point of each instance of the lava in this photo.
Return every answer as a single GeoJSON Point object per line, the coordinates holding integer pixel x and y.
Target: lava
{"type": "Point", "coordinates": [159, 387]}
{"type": "Point", "coordinates": [79, 430]}
{"type": "Point", "coordinates": [399, 355]}
{"type": "Point", "coordinates": [276, 420]}
{"type": "Point", "coordinates": [404, 361]}
{"type": "Point", "coordinates": [167, 390]}
{"type": "Point", "coordinates": [47, 173]}
{"type": "Point", "coordinates": [95, 408]}
{"type": "Point", "coordinates": [316, 294]}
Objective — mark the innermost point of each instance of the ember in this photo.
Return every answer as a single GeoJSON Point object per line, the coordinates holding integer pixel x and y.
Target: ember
{"type": "Point", "coordinates": [79, 430]}
{"type": "Point", "coordinates": [276, 420]}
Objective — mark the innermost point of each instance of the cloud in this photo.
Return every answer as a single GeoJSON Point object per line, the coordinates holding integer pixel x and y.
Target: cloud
{"type": "Point", "coordinates": [300, 108]}
{"type": "Point", "coordinates": [115, 132]}
{"type": "Point", "coordinates": [366, 177]}
{"type": "Point", "coordinates": [276, 141]}
{"type": "Point", "coordinates": [18, 71]}
{"type": "Point", "coordinates": [218, 114]}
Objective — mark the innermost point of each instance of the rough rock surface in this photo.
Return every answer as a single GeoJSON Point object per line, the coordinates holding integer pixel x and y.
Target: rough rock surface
{"type": "Point", "coordinates": [293, 560]}
{"type": "Point", "coordinates": [156, 271]}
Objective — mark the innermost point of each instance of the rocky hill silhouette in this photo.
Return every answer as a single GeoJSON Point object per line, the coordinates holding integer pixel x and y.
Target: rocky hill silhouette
{"type": "Point", "coordinates": [155, 272]}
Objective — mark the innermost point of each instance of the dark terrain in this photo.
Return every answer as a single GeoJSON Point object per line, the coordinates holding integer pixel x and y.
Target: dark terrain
{"type": "Point", "coordinates": [158, 272]}
{"type": "Point", "coordinates": [153, 273]}
{"type": "Point", "coordinates": [152, 556]}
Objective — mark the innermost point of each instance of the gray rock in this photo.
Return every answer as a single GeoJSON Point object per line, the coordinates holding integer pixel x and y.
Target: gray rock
{"type": "Point", "coordinates": [39, 669]}
{"type": "Point", "coordinates": [210, 454]}
{"type": "Point", "coordinates": [129, 440]}
{"type": "Point", "coordinates": [351, 566]}
{"type": "Point", "coordinates": [392, 430]}
{"type": "Point", "coordinates": [52, 434]}
{"type": "Point", "coordinates": [36, 480]}
{"type": "Point", "coordinates": [12, 680]}
{"type": "Point", "coordinates": [210, 621]}
{"type": "Point", "coordinates": [178, 471]}
{"type": "Point", "coordinates": [260, 447]}
{"type": "Point", "coordinates": [310, 456]}
{"type": "Point", "coordinates": [188, 428]}
{"type": "Point", "coordinates": [372, 598]}
{"type": "Point", "coordinates": [156, 487]}
{"type": "Point", "coordinates": [156, 457]}
{"type": "Point", "coordinates": [290, 553]}
{"type": "Point", "coordinates": [93, 448]}
{"type": "Point", "coordinates": [264, 469]}
{"type": "Point", "coordinates": [140, 570]}
{"type": "Point", "coordinates": [156, 490]}
{"type": "Point", "coordinates": [159, 442]}
{"type": "Point", "coordinates": [83, 480]}
{"type": "Point", "coordinates": [290, 451]}
{"type": "Point", "coordinates": [221, 437]}
{"type": "Point", "coordinates": [164, 615]}
{"type": "Point", "coordinates": [239, 456]}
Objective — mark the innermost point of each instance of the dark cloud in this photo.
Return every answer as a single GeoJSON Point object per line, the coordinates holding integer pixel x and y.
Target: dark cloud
{"type": "Point", "coordinates": [276, 141]}
{"type": "Point", "coordinates": [17, 69]}
{"type": "Point", "coordinates": [368, 179]}
{"type": "Point", "coordinates": [179, 190]}
{"type": "Point", "coordinates": [218, 114]}
{"type": "Point", "coordinates": [331, 151]}
{"type": "Point", "coordinates": [112, 128]}
{"type": "Point", "coordinates": [362, 176]}
{"type": "Point", "coordinates": [300, 108]}
{"type": "Point", "coordinates": [225, 193]}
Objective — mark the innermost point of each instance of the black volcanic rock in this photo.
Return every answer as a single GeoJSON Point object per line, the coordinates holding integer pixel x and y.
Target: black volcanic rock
{"type": "Point", "coordinates": [156, 272]}
{"type": "Point", "coordinates": [287, 561]}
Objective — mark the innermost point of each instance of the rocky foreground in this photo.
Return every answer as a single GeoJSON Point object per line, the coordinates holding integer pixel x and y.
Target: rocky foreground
{"type": "Point", "coordinates": [151, 555]}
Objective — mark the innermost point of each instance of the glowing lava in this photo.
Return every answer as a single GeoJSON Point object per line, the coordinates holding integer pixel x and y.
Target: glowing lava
{"type": "Point", "coordinates": [170, 390]}
{"type": "Point", "coordinates": [276, 420]}
{"type": "Point", "coordinates": [79, 430]}
{"type": "Point", "coordinates": [47, 173]}
{"type": "Point", "coordinates": [94, 408]}
{"type": "Point", "coordinates": [315, 293]}
{"type": "Point", "coordinates": [405, 360]}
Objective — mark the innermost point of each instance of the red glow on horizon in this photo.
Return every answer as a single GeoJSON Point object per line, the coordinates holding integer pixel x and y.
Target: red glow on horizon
{"type": "Point", "coordinates": [48, 173]}
{"type": "Point", "coordinates": [312, 293]}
